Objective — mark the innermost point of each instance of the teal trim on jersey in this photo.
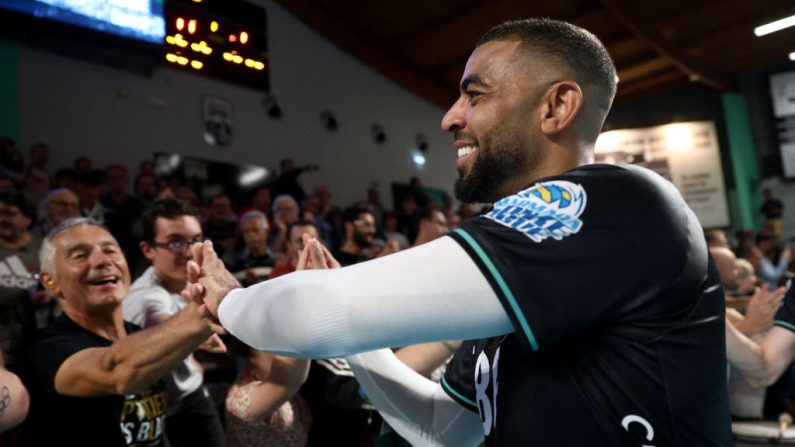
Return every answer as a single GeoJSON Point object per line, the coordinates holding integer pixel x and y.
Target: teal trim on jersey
{"type": "Point", "coordinates": [789, 326]}
{"type": "Point", "coordinates": [457, 394]}
{"type": "Point", "coordinates": [503, 286]}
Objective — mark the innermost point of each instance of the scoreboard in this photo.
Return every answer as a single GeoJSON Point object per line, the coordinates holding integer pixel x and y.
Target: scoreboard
{"type": "Point", "coordinates": [224, 39]}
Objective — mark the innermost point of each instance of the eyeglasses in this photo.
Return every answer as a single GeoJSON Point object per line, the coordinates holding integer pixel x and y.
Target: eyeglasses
{"type": "Point", "coordinates": [177, 245]}
{"type": "Point", "coordinates": [364, 223]}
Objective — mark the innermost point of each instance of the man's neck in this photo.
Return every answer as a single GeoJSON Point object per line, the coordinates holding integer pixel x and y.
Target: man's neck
{"type": "Point", "coordinates": [171, 285]}
{"type": "Point", "coordinates": [109, 325]}
{"type": "Point", "coordinates": [350, 247]}
{"type": "Point", "coordinates": [258, 251]}
{"type": "Point", "coordinates": [17, 243]}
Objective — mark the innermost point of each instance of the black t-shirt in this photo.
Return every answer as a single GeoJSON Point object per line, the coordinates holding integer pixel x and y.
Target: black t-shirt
{"type": "Point", "coordinates": [785, 317]}
{"type": "Point", "coordinates": [56, 419]}
{"type": "Point", "coordinates": [618, 312]}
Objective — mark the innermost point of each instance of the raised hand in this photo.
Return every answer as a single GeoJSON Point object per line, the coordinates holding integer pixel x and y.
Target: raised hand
{"type": "Point", "coordinates": [761, 310]}
{"type": "Point", "coordinates": [209, 280]}
{"type": "Point", "coordinates": [315, 256]}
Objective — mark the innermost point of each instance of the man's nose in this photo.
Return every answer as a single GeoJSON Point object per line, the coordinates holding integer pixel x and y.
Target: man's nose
{"type": "Point", "coordinates": [454, 118]}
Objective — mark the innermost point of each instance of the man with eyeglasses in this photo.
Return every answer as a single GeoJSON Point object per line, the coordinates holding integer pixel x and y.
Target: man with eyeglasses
{"type": "Point", "coordinates": [60, 204]}
{"type": "Point", "coordinates": [169, 228]}
{"type": "Point", "coordinates": [359, 225]}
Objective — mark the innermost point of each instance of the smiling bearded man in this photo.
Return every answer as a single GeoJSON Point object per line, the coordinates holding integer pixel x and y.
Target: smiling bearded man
{"type": "Point", "coordinates": [582, 329]}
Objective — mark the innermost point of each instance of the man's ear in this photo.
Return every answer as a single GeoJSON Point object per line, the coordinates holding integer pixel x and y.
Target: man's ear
{"type": "Point", "coordinates": [147, 250]}
{"type": "Point", "coordinates": [50, 285]}
{"type": "Point", "coordinates": [561, 104]}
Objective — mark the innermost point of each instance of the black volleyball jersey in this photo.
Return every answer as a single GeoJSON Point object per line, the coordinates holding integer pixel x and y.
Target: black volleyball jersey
{"type": "Point", "coordinates": [618, 312]}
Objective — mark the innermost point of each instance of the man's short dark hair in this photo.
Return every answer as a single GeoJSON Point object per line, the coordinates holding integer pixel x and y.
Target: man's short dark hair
{"type": "Point", "coordinates": [300, 223]}
{"type": "Point", "coordinates": [352, 213]}
{"type": "Point", "coordinates": [567, 45]}
{"type": "Point", "coordinates": [166, 208]}
{"type": "Point", "coordinates": [92, 178]}
{"type": "Point", "coordinates": [12, 197]}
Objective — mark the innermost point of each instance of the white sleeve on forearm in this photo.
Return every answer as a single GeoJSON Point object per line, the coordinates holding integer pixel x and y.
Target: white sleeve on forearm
{"type": "Point", "coordinates": [429, 293]}
{"type": "Point", "coordinates": [417, 408]}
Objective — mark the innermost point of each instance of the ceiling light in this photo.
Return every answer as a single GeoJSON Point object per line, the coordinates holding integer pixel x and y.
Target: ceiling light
{"type": "Point", "coordinates": [792, 56]}
{"type": "Point", "coordinates": [772, 27]}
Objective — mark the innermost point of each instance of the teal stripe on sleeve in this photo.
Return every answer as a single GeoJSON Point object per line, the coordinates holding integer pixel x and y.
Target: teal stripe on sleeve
{"type": "Point", "coordinates": [457, 394]}
{"type": "Point", "coordinates": [503, 286]}
{"type": "Point", "coordinates": [782, 323]}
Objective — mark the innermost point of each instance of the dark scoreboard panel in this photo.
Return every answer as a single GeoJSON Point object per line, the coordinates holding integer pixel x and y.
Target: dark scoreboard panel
{"type": "Point", "coordinates": [224, 39]}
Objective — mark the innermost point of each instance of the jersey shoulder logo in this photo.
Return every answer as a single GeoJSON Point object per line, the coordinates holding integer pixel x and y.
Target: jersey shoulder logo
{"type": "Point", "coordinates": [547, 209]}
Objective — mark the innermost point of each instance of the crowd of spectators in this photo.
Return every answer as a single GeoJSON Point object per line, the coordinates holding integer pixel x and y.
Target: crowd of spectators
{"type": "Point", "coordinates": [259, 236]}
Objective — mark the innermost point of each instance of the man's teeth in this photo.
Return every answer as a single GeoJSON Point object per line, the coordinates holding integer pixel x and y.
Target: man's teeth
{"type": "Point", "coordinates": [466, 150]}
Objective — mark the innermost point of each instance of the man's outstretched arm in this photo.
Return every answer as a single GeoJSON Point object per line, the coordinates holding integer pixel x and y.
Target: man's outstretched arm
{"type": "Point", "coordinates": [428, 293]}
{"type": "Point", "coordinates": [416, 407]}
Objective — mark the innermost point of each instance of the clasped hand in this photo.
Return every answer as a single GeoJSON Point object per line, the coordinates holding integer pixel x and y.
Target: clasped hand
{"type": "Point", "coordinates": [210, 282]}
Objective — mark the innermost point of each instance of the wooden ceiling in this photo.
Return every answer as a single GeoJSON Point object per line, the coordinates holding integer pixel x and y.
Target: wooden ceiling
{"type": "Point", "coordinates": [656, 45]}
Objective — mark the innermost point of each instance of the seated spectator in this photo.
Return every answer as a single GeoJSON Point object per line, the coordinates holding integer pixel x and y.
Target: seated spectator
{"type": "Point", "coordinates": [433, 225]}
{"type": "Point", "coordinates": [221, 226]}
{"type": "Point", "coordinates": [90, 368]}
{"type": "Point", "coordinates": [295, 244]}
{"type": "Point", "coordinates": [146, 189]}
{"type": "Point", "coordinates": [15, 399]}
{"type": "Point", "coordinates": [285, 213]}
{"type": "Point", "coordinates": [66, 178]}
{"type": "Point", "coordinates": [18, 265]}
{"type": "Point", "coordinates": [261, 200]}
{"type": "Point", "coordinates": [122, 212]}
{"type": "Point", "coordinates": [82, 165]}
{"type": "Point", "coordinates": [89, 186]}
{"type": "Point", "coordinates": [716, 238]}
{"type": "Point", "coordinates": [774, 262]}
{"type": "Point", "coordinates": [255, 261]}
{"type": "Point", "coordinates": [391, 232]}
{"type": "Point", "coordinates": [37, 179]}
{"type": "Point", "coordinates": [57, 206]}
{"type": "Point", "coordinates": [359, 225]}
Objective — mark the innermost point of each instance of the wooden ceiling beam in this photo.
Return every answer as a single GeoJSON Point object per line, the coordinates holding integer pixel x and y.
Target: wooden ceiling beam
{"type": "Point", "coordinates": [646, 28]}
{"type": "Point", "coordinates": [643, 69]}
{"type": "Point", "coordinates": [336, 32]}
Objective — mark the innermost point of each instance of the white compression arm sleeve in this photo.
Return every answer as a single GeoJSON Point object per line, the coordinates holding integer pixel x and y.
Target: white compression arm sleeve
{"type": "Point", "coordinates": [429, 293]}
{"type": "Point", "coordinates": [417, 408]}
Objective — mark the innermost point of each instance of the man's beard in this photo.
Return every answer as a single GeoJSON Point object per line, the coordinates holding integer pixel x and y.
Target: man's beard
{"type": "Point", "coordinates": [362, 240]}
{"type": "Point", "coordinates": [491, 169]}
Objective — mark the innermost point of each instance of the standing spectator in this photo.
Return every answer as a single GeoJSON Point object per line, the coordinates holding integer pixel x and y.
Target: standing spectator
{"type": "Point", "coordinates": [37, 179]}
{"type": "Point", "coordinates": [169, 228]}
{"type": "Point", "coordinates": [772, 209]}
{"type": "Point", "coordinates": [122, 212]}
{"type": "Point", "coordinates": [287, 181]}
{"type": "Point", "coordinates": [255, 261]}
{"type": "Point", "coordinates": [91, 380]}
{"type": "Point", "coordinates": [66, 178]}
{"type": "Point", "coordinates": [295, 244]}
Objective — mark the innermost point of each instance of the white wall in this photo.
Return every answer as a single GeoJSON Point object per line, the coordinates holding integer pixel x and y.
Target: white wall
{"type": "Point", "coordinates": [114, 116]}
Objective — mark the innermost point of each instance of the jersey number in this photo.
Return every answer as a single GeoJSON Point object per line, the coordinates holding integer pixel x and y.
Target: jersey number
{"type": "Point", "coordinates": [484, 374]}
{"type": "Point", "coordinates": [633, 418]}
